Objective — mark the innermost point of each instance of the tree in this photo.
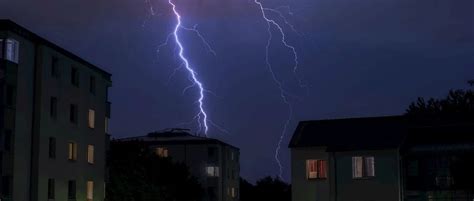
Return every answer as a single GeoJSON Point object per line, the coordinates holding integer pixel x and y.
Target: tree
{"type": "Point", "coordinates": [136, 174]}
{"type": "Point", "coordinates": [458, 105]}
{"type": "Point", "coordinates": [267, 188]}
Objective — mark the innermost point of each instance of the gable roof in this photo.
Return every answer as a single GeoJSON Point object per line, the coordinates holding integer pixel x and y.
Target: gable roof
{"type": "Point", "coordinates": [350, 134]}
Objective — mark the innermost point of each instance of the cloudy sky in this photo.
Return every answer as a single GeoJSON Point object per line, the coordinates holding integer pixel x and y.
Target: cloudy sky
{"type": "Point", "coordinates": [357, 58]}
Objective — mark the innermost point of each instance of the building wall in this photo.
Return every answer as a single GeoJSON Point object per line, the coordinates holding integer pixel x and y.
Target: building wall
{"type": "Point", "coordinates": [28, 163]}
{"type": "Point", "coordinates": [302, 188]}
{"type": "Point", "coordinates": [196, 157]}
{"type": "Point", "coordinates": [385, 186]}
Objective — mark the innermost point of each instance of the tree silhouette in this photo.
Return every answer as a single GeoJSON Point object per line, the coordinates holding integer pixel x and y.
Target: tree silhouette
{"type": "Point", "coordinates": [136, 174]}
{"type": "Point", "coordinates": [457, 106]}
{"type": "Point", "coordinates": [267, 188]}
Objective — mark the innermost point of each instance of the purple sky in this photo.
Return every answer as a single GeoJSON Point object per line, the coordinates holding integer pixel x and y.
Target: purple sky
{"type": "Point", "coordinates": [359, 58]}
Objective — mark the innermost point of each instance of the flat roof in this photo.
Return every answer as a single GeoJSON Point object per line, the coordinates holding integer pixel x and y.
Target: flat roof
{"type": "Point", "coordinates": [8, 25]}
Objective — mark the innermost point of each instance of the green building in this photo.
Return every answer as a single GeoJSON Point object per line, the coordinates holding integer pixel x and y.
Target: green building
{"type": "Point", "coordinates": [53, 120]}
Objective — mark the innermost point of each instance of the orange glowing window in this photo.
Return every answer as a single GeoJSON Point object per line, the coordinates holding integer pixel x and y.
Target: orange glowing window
{"type": "Point", "coordinates": [316, 169]}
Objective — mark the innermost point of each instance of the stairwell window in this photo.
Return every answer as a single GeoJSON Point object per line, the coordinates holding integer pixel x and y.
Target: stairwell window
{"type": "Point", "coordinates": [316, 169]}
{"type": "Point", "coordinates": [363, 167]}
{"type": "Point", "coordinates": [51, 189]}
{"type": "Point", "coordinates": [90, 190]}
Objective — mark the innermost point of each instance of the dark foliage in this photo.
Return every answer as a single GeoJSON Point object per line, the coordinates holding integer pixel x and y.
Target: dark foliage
{"type": "Point", "coordinates": [136, 174]}
{"type": "Point", "coordinates": [267, 188]}
{"type": "Point", "coordinates": [458, 105]}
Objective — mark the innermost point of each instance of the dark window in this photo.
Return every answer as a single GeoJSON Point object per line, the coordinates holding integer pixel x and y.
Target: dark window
{"type": "Point", "coordinates": [52, 147]}
{"type": "Point", "coordinates": [53, 110]}
{"type": "Point", "coordinates": [75, 76]}
{"type": "Point", "coordinates": [71, 193]}
{"type": "Point", "coordinates": [211, 193]}
{"type": "Point", "coordinates": [51, 189]}
{"type": "Point", "coordinates": [73, 113]}
{"type": "Point", "coordinates": [10, 95]}
{"type": "Point", "coordinates": [1, 47]}
{"type": "Point", "coordinates": [55, 67]}
{"type": "Point", "coordinates": [212, 153]}
{"type": "Point", "coordinates": [7, 186]}
{"type": "Point", "coordinates": [8, 140]}
{"type": "Point", "coordinates": [92, 85]}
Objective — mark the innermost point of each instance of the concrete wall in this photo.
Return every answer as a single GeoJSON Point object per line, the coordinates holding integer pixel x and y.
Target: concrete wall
{"type": "Point", "coordinates": [384, 186]}
{"type": "Point", "coordinates": [302, 188]}
{"type": "Point", "coordinates": [340, 186]}
{"type": "Point", "coordinates": [195, 156]}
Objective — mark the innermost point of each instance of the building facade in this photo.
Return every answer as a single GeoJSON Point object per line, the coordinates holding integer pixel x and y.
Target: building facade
{"type": "Point", "coordinates": [380, 159]}
{"type": "Point", "coordinates": [53, 120]}
{"type": "Point", "coordinates": [214, 163]}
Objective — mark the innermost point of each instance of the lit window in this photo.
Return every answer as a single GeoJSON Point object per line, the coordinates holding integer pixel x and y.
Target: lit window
{"type": "Point", "coordinates": [91, 118]}
{"type": "Point", "coordinates": [363, 167]}
{"type": "Point", "coordinates": [316, 169]}
{"type": "Point", "coordinates": [212, 171]}
{"type": "Point", "coordinates": [90, 190]}
{"type": "Point", "coordinates": [72, 151]}
{"type": "Point", "coordinates": [11, 50]}
{"type": "Point", "coordinates": [161, 152]}
{"type": "Point", "coordinates": [234, 192]}
{"type": "Point", "coordinates": [90, 154]}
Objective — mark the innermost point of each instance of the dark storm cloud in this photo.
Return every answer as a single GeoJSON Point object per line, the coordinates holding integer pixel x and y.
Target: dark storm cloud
{"type": "Point", "coordinates": [359, 58]}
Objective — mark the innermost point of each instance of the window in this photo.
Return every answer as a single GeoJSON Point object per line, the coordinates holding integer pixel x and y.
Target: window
{"type": "Point", "coordinates": [75, 76]}
{"type": "Point", "coordinates": [161, 152]}
{"type": "Point", "coordinates": [234, 192]}
{"type": "Point", "coordinates": [72, 151]}
{"type": "Point", "coordinates": [11, 50]}
{"type": "Point", "coordinates": [71, 189]}
{"type": "Point", "coordinates": [363, 167]}
{"type": "Point", "coordinates": [106, 125]}
{"type": "Point", "coordinates": [316, 169]}
{"type": "Point", "coordinates": [1, 48]}
{"type": "Point", "coordinates": [91, 118]}
{"type": "Point", "coordinates": [53, 110]}
{"type": "Point", "coordinates": [90, 154]}
{"type": "Point", "coordinates": [52, 147]}
{"type": "Point", "coordinates": [92, 85]}
{"type": "Point", "coordinates": [212, 154]}
{"type": "Point", "coordinates": [212, 171]}
{"type": "Point", "coordinates": [10, 95]}
{"type": "Point", "coordinates": [73, 113]}
{"type": "Point", "coordinates": [51, 189]}
{"type": "Point", "coordinates": [8, 140]}
{"type": "Point", "coordinates": [55, 67]}
{"type": "Point", "coordinates": [90, 190]}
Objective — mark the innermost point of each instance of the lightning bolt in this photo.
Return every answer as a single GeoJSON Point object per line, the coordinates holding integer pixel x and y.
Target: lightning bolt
{"type": "Point", "coordinates": [201, 116]}
{"type": "Point", "coordinates": [283, 93]}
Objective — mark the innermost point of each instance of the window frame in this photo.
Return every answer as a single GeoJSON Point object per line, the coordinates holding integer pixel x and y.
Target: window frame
{"type": "Point", "coordinates": [72, 189]}
{"type": "Point", "coordinates": [91, 118]}
{"type": "Point", "coordinates": [364, 174]}
{"type": "Point", "coordinates": [75, 76]}
{"type": "Point", "coordinates": [90, 154]}
{"type": "Point", "coordinates": [51, 189]}
{"type": "Point", "coordinates": [52, 148]}
{"type": "Point", "coordinates": [72, 151]}
{"type": "Point", "coordinates": [89, 190]}
{"type": "Point", "coordinates": [13, 53]}
{"type": "Point", "coordinates": [212, 171]}
{"type": "Point", "coordinates": [320, 165]}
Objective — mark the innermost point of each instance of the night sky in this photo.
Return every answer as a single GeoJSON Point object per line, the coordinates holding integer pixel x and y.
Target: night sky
{"type": "Point", "coordinates": [357, 58]}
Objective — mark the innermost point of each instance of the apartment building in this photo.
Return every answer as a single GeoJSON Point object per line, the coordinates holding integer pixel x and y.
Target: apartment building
{"type": "Point", "coordinates": [214, 163]}
{"type": "Point", "coordinates": [382, 159]}
{"type": "Point", "coordinates": [53, 120]}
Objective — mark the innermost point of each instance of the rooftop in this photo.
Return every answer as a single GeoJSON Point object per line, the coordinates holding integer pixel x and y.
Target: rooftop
{"type": "Point", "coordinates": [8, 25]}
{"type": "Point", "coordinates": [377, 133]}
{"type": "Point", "coordinates": [174, 136]}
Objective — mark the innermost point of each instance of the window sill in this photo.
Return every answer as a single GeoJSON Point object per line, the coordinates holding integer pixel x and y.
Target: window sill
{"type": "Point", "coordinates": [316, 179]}
{"type": "Point", "coordinates": [363, 178]}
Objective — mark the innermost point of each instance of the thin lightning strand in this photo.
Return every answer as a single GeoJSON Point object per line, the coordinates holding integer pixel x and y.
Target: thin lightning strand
{"type": "Point", "coordinates": [202, 115]}
{"type": "Point", "coordinates": [283, 93]}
